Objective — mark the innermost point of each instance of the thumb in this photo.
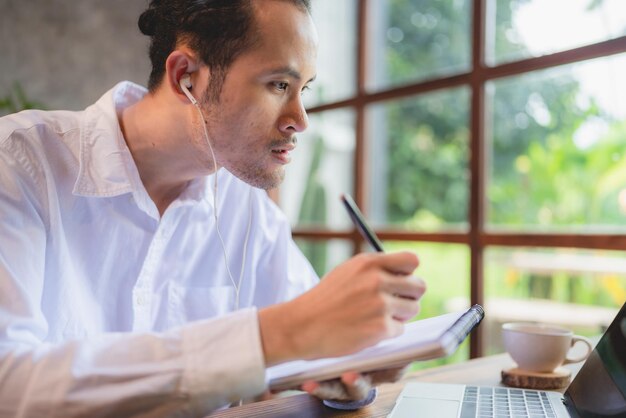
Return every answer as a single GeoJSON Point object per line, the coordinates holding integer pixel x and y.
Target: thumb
{"type": "Point", "coordinates": [357, 385]}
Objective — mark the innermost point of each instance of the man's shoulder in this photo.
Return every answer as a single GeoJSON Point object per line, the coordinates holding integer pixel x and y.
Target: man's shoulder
{"type": "Point", "coordinates": [36, 124]}
{"type": "Point", "coordinates": [34, 141]}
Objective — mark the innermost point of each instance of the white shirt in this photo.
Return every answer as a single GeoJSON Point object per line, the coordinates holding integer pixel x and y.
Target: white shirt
{"type": "Point", "coordinates": [106, 308]}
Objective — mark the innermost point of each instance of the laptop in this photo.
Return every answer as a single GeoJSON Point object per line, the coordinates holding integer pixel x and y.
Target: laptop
{"type": "Point", "coordinates": [598, 390]}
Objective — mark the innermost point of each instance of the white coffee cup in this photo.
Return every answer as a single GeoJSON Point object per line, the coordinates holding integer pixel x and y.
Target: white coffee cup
{"type": "Point", "coordinates": [541, 347]}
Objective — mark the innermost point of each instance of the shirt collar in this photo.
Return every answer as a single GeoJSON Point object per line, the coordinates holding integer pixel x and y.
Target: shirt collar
{"type": "Point", "coordinates": [107, 167]}
{"type": "Point", "coordinates": [106, 164]}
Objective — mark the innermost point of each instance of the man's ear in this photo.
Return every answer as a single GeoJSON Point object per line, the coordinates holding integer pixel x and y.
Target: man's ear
{"type": "Point", "coordinates": [181, 64]}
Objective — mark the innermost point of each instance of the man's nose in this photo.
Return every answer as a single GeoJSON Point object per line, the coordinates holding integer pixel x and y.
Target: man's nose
{"type": "Point", "coordinates": [295, 118]}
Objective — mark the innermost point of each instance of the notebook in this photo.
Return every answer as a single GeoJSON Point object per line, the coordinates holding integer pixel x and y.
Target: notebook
{"type": "Point", "coordinates": [598, 390]}
{"type": "Point", "coordinates": [422, 340]}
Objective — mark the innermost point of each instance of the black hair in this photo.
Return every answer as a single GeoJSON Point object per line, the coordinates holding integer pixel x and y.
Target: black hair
{"type": "Point", "coordinates": [217, 30]}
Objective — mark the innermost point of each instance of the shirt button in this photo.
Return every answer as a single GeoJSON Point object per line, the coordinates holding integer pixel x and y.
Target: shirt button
{"type": "Point", "coordinates": [142, 300]}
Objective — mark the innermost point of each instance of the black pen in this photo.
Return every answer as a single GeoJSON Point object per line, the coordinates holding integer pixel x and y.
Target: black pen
{"type": "Point", "coordinates": [361, 224]}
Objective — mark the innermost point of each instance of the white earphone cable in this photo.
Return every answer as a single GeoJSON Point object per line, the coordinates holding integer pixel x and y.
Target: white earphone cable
{"type": "Point", "coordinates": [236, 285]}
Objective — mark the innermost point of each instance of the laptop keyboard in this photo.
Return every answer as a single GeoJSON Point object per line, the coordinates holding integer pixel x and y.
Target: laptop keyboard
{"type": "Point", "coordinates": [505, 402]}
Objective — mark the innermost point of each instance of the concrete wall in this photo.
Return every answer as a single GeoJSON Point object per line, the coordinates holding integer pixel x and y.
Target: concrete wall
{"type": "Point", "coordinates": [66, 53]}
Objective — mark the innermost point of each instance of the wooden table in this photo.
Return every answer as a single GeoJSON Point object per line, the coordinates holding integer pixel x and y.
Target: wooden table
{"type": "Point", "coordinates": [481, 371]}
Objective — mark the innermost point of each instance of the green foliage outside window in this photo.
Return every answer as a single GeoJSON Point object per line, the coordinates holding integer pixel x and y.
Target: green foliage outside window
{"type": "Point", "coordinates": [313, 210]}
{"type": "Point", "coordinates": [538, 175]}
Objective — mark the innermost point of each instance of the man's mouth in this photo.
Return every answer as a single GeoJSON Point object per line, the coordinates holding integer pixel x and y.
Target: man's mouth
{"type": "Point", "coordinates": [281, 152]}
{"type": "Point", "coordinates": [284, 147]}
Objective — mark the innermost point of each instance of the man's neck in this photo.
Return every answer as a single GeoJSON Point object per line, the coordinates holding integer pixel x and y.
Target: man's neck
{"type": "Point", "coordinates": [159, 148]}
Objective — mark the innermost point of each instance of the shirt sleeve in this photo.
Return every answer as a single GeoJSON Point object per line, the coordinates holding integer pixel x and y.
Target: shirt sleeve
{"type": "Point", "coordinates": [187, 371]}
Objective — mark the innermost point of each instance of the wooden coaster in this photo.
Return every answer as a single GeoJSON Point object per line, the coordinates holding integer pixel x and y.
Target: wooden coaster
{"type": "Point", "coordinates": [519, 378]}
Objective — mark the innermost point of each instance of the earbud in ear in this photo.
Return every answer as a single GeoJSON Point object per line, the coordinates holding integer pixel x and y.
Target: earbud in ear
{"type": "Point", "coordinates": [185, 80]}
{"type": "Point", "coordinates": [185, 85]}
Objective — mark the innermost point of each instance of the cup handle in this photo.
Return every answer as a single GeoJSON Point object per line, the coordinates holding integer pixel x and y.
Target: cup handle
{"type": "Point", "coordinates": [585, 341]}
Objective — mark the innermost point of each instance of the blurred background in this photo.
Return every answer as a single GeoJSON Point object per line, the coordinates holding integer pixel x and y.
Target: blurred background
{"type": "Point", "coordinates": [62, 54]}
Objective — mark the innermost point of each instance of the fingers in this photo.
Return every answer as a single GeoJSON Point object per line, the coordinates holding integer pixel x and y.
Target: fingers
{"type": "Point", "coordinates": [351, 386]}
{"type": "Point", "coordinates": [402, 262]}
{"type": "Point", "coordinates": [331, 389]}
{"type": "Point", "coordinates": [409, 287]}
{"type": "Point", "coordinates": [357, 385]}
{"type": "Point", "coordinates": [403, 309]}
{"type": "Point", "coordinates": [397, 275]}
{"type": "Point", "coordinates": [404, 294]}
{"type": "Point", "coordinates": [309, 386]}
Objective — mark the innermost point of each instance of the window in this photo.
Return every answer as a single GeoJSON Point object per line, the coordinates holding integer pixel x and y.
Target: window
{"type": "Point", "coordinates": [419, 161]}
{"type": "Point", "coordinates": [556, 157]}
{"type": "Point", "coordinates": [486, 135]}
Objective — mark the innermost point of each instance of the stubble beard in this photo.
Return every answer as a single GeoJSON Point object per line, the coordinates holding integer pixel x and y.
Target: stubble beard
{"type": "Point", "coordinates": [255, 174]}
{"type": "Point", "coordinates": [250, 169]}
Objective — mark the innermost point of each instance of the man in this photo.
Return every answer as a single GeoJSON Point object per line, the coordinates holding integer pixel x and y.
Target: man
{"type": "Point", "coordinates": [142, 268]}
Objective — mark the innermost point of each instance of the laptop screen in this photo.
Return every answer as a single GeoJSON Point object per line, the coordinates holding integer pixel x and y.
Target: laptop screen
{"type": "Point", "coordinates": [599, 388]}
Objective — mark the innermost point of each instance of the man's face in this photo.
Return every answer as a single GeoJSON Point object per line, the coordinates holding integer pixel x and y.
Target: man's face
{"type": "Point", "coordinates": [253, 126]}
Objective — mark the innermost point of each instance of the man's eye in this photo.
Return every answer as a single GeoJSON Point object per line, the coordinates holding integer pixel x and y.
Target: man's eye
{"type": "Point", "coordinates": [281, 85]}
{"type": "Point", "coordinates": [305, 89]}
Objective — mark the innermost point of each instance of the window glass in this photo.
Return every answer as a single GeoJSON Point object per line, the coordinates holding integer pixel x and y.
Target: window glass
{"type": "Point", "coordinates": [418, 149]}
{"type": "Point", "coordinates": [325, 255]}
{"type": "Point", "coordinates": [320, 171]}
{"type": "Point", "coordinates": [417, 40]}
{"type": "Point", "coordinates": [337, 52]}
{"type": "Point", "coordinates": [557, 159]}
{"type": "Point", "coordinates": [528, 28]}
{"type": "Point", "coordinates": [579, 289]}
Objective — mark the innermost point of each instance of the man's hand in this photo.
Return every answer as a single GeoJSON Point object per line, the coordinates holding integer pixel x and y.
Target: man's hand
{"type": "Point", "coordinates": [352, 386]}
{"type": "Point", "coordinates": [356, 305]}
